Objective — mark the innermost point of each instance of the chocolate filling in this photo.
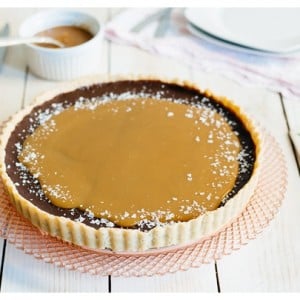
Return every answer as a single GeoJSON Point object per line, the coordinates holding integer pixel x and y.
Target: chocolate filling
{"type": "Point", "coordinates": [30, 188]}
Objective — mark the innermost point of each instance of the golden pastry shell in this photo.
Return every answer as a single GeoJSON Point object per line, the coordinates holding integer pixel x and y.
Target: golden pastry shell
{"type": "Point", "coordinates": [120, 239]}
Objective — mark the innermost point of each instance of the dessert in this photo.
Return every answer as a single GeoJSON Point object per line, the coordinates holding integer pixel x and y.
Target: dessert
{"type": "Point", "coordinates": [130, 164]}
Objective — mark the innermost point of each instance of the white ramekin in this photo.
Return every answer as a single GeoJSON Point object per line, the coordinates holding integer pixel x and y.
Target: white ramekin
{"type": "Point", "coordinates": [65, 63]}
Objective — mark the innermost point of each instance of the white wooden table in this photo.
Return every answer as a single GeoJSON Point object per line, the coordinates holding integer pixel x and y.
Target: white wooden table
{"type": "Point", "coordinates": [270, 263]}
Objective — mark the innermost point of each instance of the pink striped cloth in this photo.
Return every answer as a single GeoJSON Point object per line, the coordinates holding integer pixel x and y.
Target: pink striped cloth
{"type": "Point", "coordinates": [278, 74]}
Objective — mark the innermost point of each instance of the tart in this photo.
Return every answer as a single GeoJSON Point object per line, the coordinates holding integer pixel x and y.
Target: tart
{"type": "Point", "coordinates": [130, 163]}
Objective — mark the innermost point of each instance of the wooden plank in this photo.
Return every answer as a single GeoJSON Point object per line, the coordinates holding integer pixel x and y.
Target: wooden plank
{"type": "Point", "coordinates": [2, 255]}
{"type": "Point", "coordinates": [128, 60]}
{"type": "Point", "coordinates": [200, 279]}
{"type": "Point", "coordinates": [292, 110]}
{"type": "Point", "coordinates": [24, 273]}
{"type": "Point", "coordinates": [13, 70]}
{"type": "Point", "coordinates": [270, 263]}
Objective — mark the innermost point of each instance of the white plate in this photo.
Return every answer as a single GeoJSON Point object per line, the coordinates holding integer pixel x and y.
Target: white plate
{"type": "Point", "coordinates": [267, 29]}
{"type": "Point", "coordinates": [230, 46]}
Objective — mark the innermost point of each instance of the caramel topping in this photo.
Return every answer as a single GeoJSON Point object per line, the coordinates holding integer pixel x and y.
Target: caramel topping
{"type": "Point", "coordinates": [134, 160]}
{"type": "Point", "coordinates": [70, 36]}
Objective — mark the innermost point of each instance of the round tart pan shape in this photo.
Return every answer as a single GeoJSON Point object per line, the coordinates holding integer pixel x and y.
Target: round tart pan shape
{"type": "Point", "coordinates": [122, 239]}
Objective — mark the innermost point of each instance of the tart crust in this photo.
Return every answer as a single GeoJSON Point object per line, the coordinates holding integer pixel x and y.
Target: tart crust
{"type": "Point", "coordinates": [121, 239]}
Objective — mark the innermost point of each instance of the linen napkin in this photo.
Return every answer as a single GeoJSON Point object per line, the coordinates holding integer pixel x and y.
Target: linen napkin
{"type": "Point", "coordinates": [276, 73]}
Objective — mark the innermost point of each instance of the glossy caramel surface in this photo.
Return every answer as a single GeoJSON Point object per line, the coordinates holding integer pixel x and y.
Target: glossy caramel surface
{"type": "Point", "coordinates": [134, 160]}
{"type": "Point", "coordinates": [70, 36]}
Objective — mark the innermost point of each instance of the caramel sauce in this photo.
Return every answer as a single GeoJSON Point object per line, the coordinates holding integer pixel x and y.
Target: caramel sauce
{"type": "Point", "coordinates": [132, 160]}
{"type": "Point", "coordinates": [70, 36]}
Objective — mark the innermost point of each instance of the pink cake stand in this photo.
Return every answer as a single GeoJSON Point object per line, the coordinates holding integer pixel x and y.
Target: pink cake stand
{"type": "Point", "coordinates": [258, 213]}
